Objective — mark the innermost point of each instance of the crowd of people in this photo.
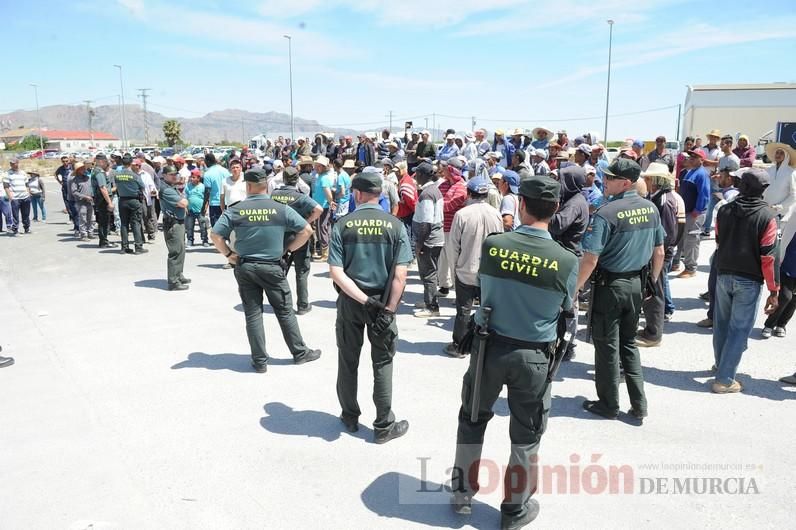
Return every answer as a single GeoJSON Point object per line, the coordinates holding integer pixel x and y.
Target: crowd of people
{"type": "Point", "coordinates": [526, 229]}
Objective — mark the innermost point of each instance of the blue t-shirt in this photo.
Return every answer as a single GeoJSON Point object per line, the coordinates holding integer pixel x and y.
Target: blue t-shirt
{"type": "Point", "coordinates": [195, 196]}
{"type": "Point", "coordinates": [213, 179]}
{"type": "Point", "coordinates": [344, 185]}
{"type": "Point", "coordinates": [322, 181]}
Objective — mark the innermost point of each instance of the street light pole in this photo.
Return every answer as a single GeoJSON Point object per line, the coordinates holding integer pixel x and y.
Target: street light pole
{"type": "Point", "coordinates": [290, 66]}
{"type": "Point", "coordinates": [38, 116]}
{"type": "Point", "coordinates": [125, 145]}
{"type": "Point", "coordinates": [608, 88]}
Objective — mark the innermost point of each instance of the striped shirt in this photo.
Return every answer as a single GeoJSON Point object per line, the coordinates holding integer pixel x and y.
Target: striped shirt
{"type": "Point", "coordinates": [17, 181]}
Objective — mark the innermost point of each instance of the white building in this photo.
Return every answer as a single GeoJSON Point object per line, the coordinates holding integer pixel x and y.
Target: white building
{"type": "Point", "coordinates": [753, 110]}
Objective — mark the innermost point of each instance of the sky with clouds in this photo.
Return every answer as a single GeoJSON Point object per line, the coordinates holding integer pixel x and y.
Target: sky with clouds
{"type": "Point", "coordinates": [506, 62]}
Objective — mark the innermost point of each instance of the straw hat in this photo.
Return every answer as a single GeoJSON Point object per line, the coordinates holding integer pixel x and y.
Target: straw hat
{"type": "Point", "coordinates": [323, 161]}
{"type": "Point", "coordinates": [535, 132]}
{"type": "Point", "coordinates": [714, 132]}
{"type": "Point", "coordinates": [772, 147]}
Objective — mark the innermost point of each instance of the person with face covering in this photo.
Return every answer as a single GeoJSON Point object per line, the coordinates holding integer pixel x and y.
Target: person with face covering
{"type": "Point", "coordinates": [572, 218]}
{"type": "Point", "coordinates": [781, 193]}
{"type": "Point", "coordinates": [746, 241]}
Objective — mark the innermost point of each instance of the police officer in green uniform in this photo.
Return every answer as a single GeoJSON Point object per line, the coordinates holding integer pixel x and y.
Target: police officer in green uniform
{"type": "Point", "coordinates": [310, 210]}
{"type": "Point", "coordinates": [103, 203]}
{"type": "Point", "coordinates": [527, 280]}
{"type": "Point", "coordinates": [368, 247]}
{"type": "Point", "coordinates": [173, 206]}
{"type": "Point", "coordinates": [260, 224]}
{"type": "Point", "coordinates": [625, 233]}
{"type": "Point", "coordinates": [130, 189]}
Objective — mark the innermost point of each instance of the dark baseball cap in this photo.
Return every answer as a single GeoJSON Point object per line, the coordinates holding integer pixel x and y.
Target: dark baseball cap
{"type": "Point", "coordinates": [623, 168]}
{"type": "Point", "coordinates": [127, 159]}
{"type": "Point", "coordinates": [168, 170]}
{"type": "Point", "coordinates": [541, 188]}
{"type": "Point", "coordinates": [100, 156]}
{"type": "Point", "coordinates": [290, 175]}
{"type": "Point", "coordinates": [754, 181]}
{"type": "Point", "coordinates": [424, 168]}
{"type": "Point", "coordinates": [255, 175]}
{"type": "Point", "coordinates": [368, 181]}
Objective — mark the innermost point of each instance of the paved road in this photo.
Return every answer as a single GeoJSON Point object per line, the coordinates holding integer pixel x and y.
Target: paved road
{"type": "Point", "coordinates": [134, 407]}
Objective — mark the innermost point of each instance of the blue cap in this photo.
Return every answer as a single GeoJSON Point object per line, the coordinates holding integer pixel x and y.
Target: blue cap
{"type": "Point", "coordinates": [512, 179]}
{"type": "Point", "coordinates": [638, 143]}
{"type": "Point", "coordinates": [478, 185]}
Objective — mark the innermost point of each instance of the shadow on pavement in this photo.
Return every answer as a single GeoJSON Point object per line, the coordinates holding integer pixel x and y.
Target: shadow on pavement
{"type": "Point", "coordinates": [400, 496]}
{"type": "Point", "coordinates": [327, 304]}
{"type": "Point", "coordinates": [212, 265]}
{"type": "Point", "coordinates": [234, 362]}
{"type": "Point", "coordinates": [687, 304]}
{"type": "Point", "coordinates": [322, 275]}
{"type": "Point", "coordinates": [161, 284]}
{"type": "Point", "coordinates": [282, 419]}
{"type": "Point", "coordinates": [266, 308]}
{"type": "Point", "coordinates": [425, 348]}
{"type": "Point", "coordinates": [684, 327]}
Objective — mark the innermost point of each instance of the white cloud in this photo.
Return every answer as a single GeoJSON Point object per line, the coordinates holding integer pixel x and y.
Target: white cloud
{"type": "Point", "coordinates": [424, 13]}
{"type": "Point", "coordinates": [263, 36]}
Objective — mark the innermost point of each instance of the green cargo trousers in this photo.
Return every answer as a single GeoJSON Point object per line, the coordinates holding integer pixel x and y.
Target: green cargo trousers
{"type": "Point", "coordinates": [253, 279]}
{"type": "Point", "coordinates": [524, 372]}
{"type": "Point", "coordinates": [352, 320]}
{"type": "Point", "coordinates": [174, 235]}
{"type": "Point", "coordinates": [617, 303]}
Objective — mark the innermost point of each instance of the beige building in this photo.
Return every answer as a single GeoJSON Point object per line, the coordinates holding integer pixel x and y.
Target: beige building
{"type": "Point", "coordinates": [753, 110]}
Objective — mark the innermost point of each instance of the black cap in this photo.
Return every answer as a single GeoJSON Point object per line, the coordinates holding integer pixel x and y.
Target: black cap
{"type": "Point", "coordinates": [754, 181]}
{"type": "Point", "coordinates": [100, 156]}
{"type": "Point", "coordinates": [290, 175]}
{"type": "Point", "coordinates": [623, 168]}
{"type": "Point", "coordinates": [255, 175]}
{"type": "Point", "coordinates": [541, 188]}
{"type": "Point", "coordinates": [127, 159]}
{"type": "Point", "coordinates": [424, 168]}
{"type": "Point", "coordinates": [369, 181]}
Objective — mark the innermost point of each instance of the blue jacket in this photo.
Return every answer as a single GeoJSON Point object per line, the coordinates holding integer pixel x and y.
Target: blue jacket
{"type": "Point", "coordinates": [505, 161]}
{"type": "Point", "coordinates": [695, 190]}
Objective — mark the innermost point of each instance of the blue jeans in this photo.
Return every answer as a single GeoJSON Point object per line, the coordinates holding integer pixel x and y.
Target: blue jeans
{"type": "Point", "coordinates": [735, 310]}
{"type": "Point", "coordinates": [709, 215]}
{"type": "Point", "coordinates": [714, 273]}
{"type": "Point", "coordinates": [37, 202]}
{"type": "Point", "coordinates": [668, 308]}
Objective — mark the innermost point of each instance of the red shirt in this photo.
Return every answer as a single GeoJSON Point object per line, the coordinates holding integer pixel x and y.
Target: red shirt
{"type": "Point", "coordinates": [454, 197]}
{"type": "Point", "coordinates": [407, 194]}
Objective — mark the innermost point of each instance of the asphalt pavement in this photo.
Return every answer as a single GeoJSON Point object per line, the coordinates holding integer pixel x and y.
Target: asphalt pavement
{"type": "Point", "coordinates": [130, 406]}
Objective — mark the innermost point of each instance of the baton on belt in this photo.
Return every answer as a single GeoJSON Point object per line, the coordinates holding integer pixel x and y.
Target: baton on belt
{"type": "Point", "coordinates": [483, 335]}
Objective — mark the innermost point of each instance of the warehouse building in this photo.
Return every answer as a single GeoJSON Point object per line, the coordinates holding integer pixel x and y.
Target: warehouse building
{"type": "Point", "coordinates": [753, 110]}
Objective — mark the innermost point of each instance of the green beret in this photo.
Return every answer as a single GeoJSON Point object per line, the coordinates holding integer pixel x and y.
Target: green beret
{"type": "Point", "coordinates": [623, 168]}
{"type": "Point", "coordinates": [541, 188]}
{"type": "Point", "coordinates": [255, 175]}
{"type": "Point", "coordinates": [290, 175]}
{"type": "Point", "coordinates": [367, 181]}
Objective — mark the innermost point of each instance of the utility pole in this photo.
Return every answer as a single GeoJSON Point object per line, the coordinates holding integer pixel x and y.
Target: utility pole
{"type": "Point", "coordinates": [243, 133]}
{"type": "Point", "coordinates": [608, 87]}
{"type": "Point", "coordinates": [90, 113]}
{"type": "Point", "coordinates": [290, 66]}
{"type": "Point", "coordinates": [473, 120]}
{"type": "Point", "coordinates": [426, 122]}
{"type": "Point", "coordinates": [433, 126]}
{"type": "Point", "coordinates": [679, 111]}
{"type": "Point", "coordinates": [121, 104]}
{"type": "Point", "coordinates": [38, 117]}
{"type": "Point", "coordinates": [143, 94]}
{"type": "Point", "coordinates": [390, 115]}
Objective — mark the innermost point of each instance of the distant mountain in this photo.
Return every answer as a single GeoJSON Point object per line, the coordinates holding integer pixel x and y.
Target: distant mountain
{"type": "Point", "coordinates": [216, 126]}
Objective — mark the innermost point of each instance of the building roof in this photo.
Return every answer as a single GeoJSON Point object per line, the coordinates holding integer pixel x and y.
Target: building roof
{"type": "Point", "coordinates": [56, 134]}
{"type": "Point", "coordinates": [760, 86]}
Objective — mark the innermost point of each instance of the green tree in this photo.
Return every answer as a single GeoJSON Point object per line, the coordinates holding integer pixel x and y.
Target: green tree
{"type": "Point", "coordinates": [28, 143]}
{"type": "Point", "coordinates": [172, 131]}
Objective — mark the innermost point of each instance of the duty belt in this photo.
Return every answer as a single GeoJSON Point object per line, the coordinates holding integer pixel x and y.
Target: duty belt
{"type": "Point", "coordinates": [610, 276]}
{"type": "Point", "coordinates": [524, 344]}
{"type": "Point", "coordinates": [128, 198]}
{"type": "Point", "coordinates": [259, 261]}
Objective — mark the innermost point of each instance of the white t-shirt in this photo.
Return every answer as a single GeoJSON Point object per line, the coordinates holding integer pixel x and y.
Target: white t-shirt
{"type": "Point", "coordinates": [510, 206]}
{"type": "Point", "coordinates": [233, 191]}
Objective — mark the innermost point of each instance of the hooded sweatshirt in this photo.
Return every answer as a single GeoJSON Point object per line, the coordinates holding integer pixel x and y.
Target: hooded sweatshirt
{"type": "Point", "coordinates": [571, 220]}
{"type": "Point", "coordinates": [746, 237]}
